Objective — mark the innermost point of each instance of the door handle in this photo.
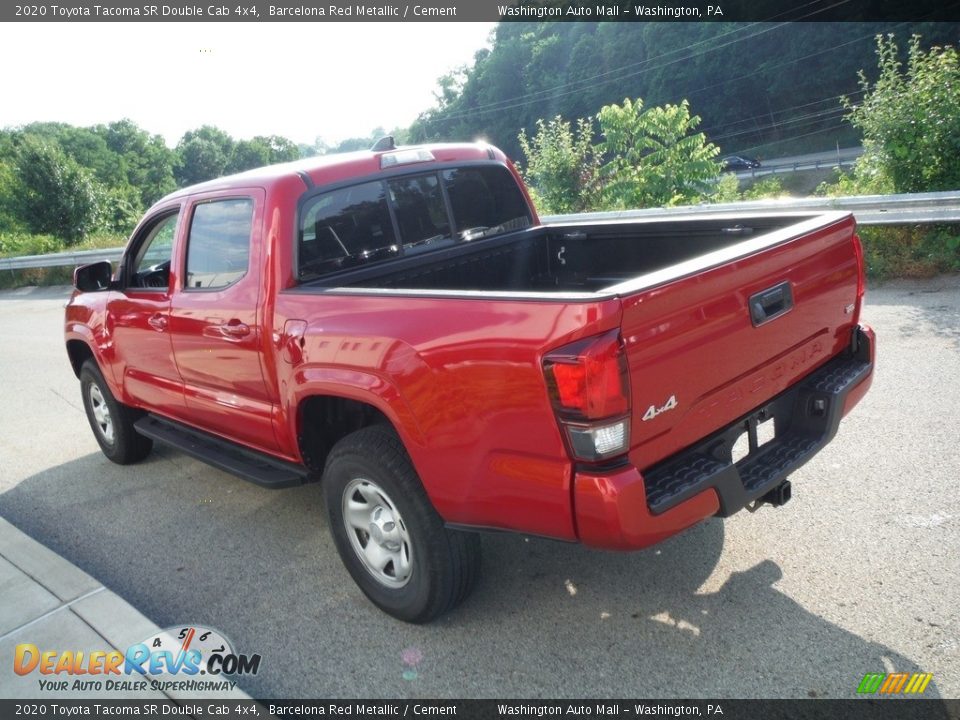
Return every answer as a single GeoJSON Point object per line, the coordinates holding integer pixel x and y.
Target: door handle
{"type": "Point", "coordinates": [158, 322]}
{"type": "Point", "coordinates": [235, 329]}
{"type": "Point", "coordinates": [770, 303]}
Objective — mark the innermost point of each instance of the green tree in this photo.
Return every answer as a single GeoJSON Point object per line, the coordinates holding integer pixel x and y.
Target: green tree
{"type": "Point", "coordinates": [910, 120]}
{"type": "Point", "coordinates": [120, 208]}
{"type": "Point", "coordinates": [261, 150]}
{"type": "Point", "coordinates": [654, 156]}
{"type": "Point", "coordinates": [561, 166]}
{"type": "Point", "coordinates": [248, 154]}
{"type": "Point", "coordinates": [54, 194]}
{"type": "Point", "coordinates": [766, 87]}
{"type": "Point", "coordinates": [145, 160]}
{"type": "Point", "coordinates": [84, 145]}
{"type": "Point", "coordinates": [9, 187]}
{"type": "Point", "coordinates": [203, 154]}
{"type": "Point", "coordinates": [450, 86]}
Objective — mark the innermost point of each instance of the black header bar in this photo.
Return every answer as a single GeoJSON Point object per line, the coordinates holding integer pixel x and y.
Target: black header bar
{"type": "Point", "coordinates": [873, 708]}
{"type": "Point", "coordinates": [484, 11]}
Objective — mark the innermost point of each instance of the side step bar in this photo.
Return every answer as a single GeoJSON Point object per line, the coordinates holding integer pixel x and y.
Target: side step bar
{"type": "Point", "coordinates": [243, 462]}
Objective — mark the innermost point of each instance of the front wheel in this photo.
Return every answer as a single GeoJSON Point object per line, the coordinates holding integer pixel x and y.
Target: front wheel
{"type": "Point", "coordinates": [388, 534]}
{"type": "Point", "coordinates": [110, 420]}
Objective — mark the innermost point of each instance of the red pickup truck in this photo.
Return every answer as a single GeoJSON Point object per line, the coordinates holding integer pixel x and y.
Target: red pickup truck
{"type": "Point", "coordinates": [398, 324]}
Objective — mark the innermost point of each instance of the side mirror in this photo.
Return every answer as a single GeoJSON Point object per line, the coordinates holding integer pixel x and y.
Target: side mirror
{"type": "Point", "coordinates": [93, 277]}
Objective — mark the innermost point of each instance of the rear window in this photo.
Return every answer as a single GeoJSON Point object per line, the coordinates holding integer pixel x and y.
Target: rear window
{"type": "Point", "coordinates": [420, 209]}
{"type": "Point", "coordinates": [387, 218]}
{"type": "Point", "coordinates": [485, 201]}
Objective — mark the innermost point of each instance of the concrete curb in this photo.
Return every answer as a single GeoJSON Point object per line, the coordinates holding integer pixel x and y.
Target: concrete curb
{"type": "Point", "coordinates": [48, 601]}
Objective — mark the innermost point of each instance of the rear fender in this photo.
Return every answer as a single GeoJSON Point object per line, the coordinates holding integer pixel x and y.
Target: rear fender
{"type": "Point", "coordinates": [358, 385]}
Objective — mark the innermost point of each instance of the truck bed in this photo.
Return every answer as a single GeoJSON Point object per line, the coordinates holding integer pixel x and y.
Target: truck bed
{"type": "Point", "coordinates": [600, 258]}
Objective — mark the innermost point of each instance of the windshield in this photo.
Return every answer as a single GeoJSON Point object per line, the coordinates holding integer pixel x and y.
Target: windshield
{"type": "Point", "coordinates": [386, 218]}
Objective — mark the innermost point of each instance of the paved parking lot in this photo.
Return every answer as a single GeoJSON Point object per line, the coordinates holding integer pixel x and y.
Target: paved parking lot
{"type": "Point", "coordinates": [859, 573]}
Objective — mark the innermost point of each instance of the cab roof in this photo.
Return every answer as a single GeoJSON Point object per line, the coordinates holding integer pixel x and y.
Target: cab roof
{"type": "Point", "coordinates": [326, 169]}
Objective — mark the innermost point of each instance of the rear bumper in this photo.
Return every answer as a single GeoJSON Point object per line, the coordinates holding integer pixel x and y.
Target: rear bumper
{"type": "Point", "coordinates": [624, 509]}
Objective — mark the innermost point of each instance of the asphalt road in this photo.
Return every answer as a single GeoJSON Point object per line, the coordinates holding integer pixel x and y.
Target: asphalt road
{"type": "Point", "coordinates": [859, 573]}
{"type": "Point", "coordinates": [826, 159]}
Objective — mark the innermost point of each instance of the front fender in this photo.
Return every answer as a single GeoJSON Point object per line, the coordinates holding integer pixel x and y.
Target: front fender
{"type": "Point", "coordinates": [84, 322]}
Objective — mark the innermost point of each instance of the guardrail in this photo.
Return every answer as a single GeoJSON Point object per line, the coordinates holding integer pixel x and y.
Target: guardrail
{"type": "Point", "coordinates": [774, 168]}
{"type": "Point", "coordinates": [72, 258]}
{"type": "Point", "coordinates": [908, 209]}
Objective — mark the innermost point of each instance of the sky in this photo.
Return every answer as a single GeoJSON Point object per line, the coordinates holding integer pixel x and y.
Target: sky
{"type": "Point", "coordinates": [298, 80]}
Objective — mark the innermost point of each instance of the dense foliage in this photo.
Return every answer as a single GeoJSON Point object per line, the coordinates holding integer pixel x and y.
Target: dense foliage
{"type": "Point", "coordinates": [66, 181]}
{"type": "Point", "coordinates": [910, 119]}
{"type": "Point", "coordinates": [762, 88]}
{"type": "Point", "coordinates": [655, 157]}
{"type": "Point", "coordinates": [209, 152]}
{"type": "Point", "coordinates": [646, 158]}
{"type": "Point", "coordinates": [562, 166]}
{"type": "Point", "coordinates": [54, 195]}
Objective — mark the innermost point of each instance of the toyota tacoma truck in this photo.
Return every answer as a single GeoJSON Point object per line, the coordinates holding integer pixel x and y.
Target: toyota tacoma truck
{"type": "Point", "coordinates": [398, 325]}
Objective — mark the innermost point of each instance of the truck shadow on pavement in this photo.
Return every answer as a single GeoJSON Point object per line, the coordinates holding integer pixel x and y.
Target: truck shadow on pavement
{"type": "Point", "coordinates": [187, 544]}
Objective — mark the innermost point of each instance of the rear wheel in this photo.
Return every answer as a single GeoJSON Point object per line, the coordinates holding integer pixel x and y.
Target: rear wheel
{"type": "Point", "coordinates": [110, 420]}
{"type": "Point", "coordinates": [389, 536]}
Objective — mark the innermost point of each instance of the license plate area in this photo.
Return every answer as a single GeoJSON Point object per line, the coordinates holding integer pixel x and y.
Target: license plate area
{"type": "Point", "coordinates": [757, 432]}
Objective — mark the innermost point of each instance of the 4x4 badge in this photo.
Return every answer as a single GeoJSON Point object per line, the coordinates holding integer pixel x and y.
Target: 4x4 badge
{"type": "Point", "coordinates": [653, 411]}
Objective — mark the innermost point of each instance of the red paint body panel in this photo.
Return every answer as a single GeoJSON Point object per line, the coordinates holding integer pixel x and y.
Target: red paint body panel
{"type": "Point", "coordinates": [668, 330]}
{"type": "Point", "coordinates": [856, 395]}
{"type": "Point", "coordinates": [465, 389]}
{"type": "Point", "coordinates": [461, 378]}
{"type": "Point", "coordinates": [612, 511]}
{"type": "Point", "coordinates": [611, 508]}
{"type": "Point", "coordinates": [221, 370]}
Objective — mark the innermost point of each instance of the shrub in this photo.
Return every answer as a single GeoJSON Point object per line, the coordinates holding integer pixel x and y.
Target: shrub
{"type": "Point", "coordinates": [768, 187]}
{"type": "Point", "coordinates": [910, 252]}
{"type": "Point", "coordinates": [14, 244]}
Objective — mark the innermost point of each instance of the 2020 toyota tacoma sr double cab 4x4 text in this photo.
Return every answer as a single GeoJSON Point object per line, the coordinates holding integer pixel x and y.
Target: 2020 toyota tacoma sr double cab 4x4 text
{"type": "Point", "coordinates": [398, 325]}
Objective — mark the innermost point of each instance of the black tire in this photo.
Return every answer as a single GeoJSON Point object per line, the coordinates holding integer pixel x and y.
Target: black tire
{"type": "Point", "coordinates": [111, 421]}
{"type": "Point", "coordinates": [433, 569]}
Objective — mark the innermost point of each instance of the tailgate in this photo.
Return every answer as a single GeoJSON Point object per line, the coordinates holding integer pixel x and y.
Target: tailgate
{"type": "Point", "coordinates": [736, 328]}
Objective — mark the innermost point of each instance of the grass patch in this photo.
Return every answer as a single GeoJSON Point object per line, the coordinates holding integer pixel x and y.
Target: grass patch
{"type": "Point", "coordinates": [918, 251]}
{"type": "Point", "coordinates": [35, 277]}
{"type": "Point", "coordinates": [102, 241]}
{"type": "Point", "coordinates": [802, 183]}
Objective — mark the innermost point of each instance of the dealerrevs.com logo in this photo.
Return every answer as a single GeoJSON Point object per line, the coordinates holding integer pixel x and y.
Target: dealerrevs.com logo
{"type": "Point", "coordinates": [185, 659]}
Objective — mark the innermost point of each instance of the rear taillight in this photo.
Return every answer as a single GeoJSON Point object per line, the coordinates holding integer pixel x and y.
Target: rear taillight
{"type": "Point", "coordinates": [590, 391]}
{"type": "Point", "coordinates": [861, 275]}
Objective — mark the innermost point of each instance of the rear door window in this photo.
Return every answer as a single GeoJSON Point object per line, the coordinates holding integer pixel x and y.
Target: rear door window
{"type": "Point", "coordinates": [345, 227]}
{"type": "Point", "coordinates": [218, 249]}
